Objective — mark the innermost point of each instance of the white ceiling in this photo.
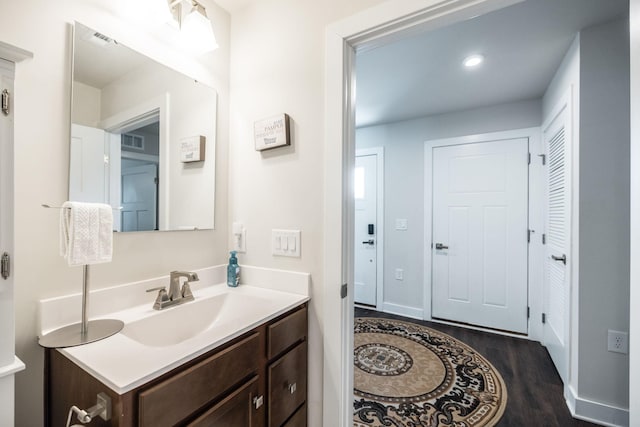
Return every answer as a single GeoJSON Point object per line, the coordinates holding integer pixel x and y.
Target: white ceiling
{"type": "Point", "coordinates": [523, 46]}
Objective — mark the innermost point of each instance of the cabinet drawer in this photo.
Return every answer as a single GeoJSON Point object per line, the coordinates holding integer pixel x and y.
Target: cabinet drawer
{"type": "Point", "coordinates": [236, 410]}
{"type": "Point", "coordinates": [299, 419]}
{"type": "Point", "coordinates": [174, 399]}
{"type": "Point", "coordinates": [287, 384]}
{"type": "Point", "coordinates": [286, 332]}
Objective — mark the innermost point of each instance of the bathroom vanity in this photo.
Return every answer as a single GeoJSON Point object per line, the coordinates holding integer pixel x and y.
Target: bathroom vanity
{"type": "Point", "coordinates": [231, 357]}
{"type": "Point", "coordinates": [257, 379]}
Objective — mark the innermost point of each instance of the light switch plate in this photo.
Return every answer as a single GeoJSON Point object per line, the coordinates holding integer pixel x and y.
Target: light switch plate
{"type": "Point", "coordinates": [239, 234]}
{"type": "Point", "coordinates": [285, 243]}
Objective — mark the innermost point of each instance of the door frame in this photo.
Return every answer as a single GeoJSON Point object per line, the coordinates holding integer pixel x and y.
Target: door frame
{"type": "Point", "coordinates": [379, 153]}
{"type": "Point", "coordinates": [367, 29]}
{"type": "Point", "coordinates": [157, 108]}
{"type": "Point", "coordinates": [535, 221]}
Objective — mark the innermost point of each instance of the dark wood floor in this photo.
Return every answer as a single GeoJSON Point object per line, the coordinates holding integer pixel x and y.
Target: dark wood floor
{"type": "Point", "coordinates": [533, 385]}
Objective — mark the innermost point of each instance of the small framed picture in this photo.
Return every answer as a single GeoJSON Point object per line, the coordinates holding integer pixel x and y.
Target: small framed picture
{"type": "Point", "coordinates": [272, 132]}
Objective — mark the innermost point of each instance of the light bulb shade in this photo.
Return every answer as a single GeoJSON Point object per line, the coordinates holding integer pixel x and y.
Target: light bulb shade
{"type": "Point", "coordinates": [197, 31]}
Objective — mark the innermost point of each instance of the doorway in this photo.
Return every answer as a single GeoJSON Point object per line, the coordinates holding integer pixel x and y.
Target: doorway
{"type": "Point", "coordinates": [369, 227]}
{"type": "Point", "coordinates": [342, 40]}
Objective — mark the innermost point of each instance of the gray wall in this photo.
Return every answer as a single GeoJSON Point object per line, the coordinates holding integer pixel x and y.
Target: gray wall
{"type": "Point", "coordinates": [604, 210]}
{"type": "Point", "coordinates": [403, 144]}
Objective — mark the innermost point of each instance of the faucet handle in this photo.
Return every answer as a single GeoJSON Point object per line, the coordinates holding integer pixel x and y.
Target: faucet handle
{"type": "Point", "coordinates": [186, 292]}
{"type": "Point", "coordinates": [161, 298]}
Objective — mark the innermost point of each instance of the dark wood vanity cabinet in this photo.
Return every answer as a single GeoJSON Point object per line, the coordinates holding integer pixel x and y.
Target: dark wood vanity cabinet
{"type": "Point", "coordinates": [258, 379]}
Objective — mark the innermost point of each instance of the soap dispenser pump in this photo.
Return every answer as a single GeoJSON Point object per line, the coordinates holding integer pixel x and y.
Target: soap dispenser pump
{"type": "Point", "coordinates": [233, 271]}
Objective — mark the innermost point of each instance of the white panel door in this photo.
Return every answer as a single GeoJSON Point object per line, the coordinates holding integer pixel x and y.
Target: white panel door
{"type": "Point", "coordinates": [88, 171]}
{"type": "Point", "coordinates": [479, 254]}
{"type": "Point", "coordinates": [139, 198]}
{"type": "Point", "coordinates": [556, 298]}
{"type": "Point", "coordinates": [366, 200]}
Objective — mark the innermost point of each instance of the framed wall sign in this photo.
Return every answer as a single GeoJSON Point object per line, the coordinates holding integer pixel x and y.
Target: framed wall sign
{"type": "Point", "coordinates": [192, 149]}
{"type": "Point", "coordinates": [271, 132]}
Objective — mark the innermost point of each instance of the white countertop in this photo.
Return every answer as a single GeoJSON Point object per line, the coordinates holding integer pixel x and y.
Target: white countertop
{"type": "Point", "coordinates": [123, 363]}
{"type": "Point", "coordinates": [153, 342]}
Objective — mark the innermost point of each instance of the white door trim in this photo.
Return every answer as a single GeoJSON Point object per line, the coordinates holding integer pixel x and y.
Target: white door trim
{"type": "Point", "coordinates": [379, 153]}
{"type": "Point", "coordinates": [535, 220]}
{"type": "Point", "coordinates": [368, 28]}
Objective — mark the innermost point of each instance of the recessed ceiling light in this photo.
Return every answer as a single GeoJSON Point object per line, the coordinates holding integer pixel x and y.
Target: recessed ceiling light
{"type": "Point", "coordinates": [473, 61]}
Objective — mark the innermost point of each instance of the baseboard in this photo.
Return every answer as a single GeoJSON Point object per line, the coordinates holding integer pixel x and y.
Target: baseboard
{"type": "Point", "coordinates": [403, 310]}
{"type": "Point", "coordinates": [595, 412]}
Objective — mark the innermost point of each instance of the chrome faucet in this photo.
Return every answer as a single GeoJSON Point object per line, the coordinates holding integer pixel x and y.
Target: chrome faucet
{"type": "Point", "coordinates": [176, 294]}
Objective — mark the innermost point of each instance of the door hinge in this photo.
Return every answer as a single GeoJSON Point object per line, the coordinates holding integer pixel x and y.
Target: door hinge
{"type": "Point", "coordinates": [544, 239]}
{"type": "Point", "coordinates": [528, 158]}
{"type": "Point", "coordinates": [5, 102]}
{"type": "Point", "coordinates": [543, 157]}
{"type": "Point", "coordinates": [528, 312]}
{"type": "Point", "coordinates": [5, 266]}
{"type": "Point", "coordinates": [529, 235]}
{"type": "Point", "coordinates": [343, 291]}
{"type": "Point", "coordinates": [544, 317]}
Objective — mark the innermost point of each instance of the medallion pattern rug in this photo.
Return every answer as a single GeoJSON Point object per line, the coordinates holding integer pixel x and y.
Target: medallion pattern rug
{"type": "Point", "coordinates": [407, 375]}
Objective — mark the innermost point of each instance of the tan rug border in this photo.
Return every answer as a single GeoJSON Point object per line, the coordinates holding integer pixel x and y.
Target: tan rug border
{"type": "Point", "coordinates": [503, 402]}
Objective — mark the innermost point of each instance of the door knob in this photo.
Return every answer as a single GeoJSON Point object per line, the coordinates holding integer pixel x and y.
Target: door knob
{"type": "Point", "coordinates": [562, 258]}
{"type": "Point", "coordinates": [440, 246]}
{"type": "Point", "coordinates": [369, 242]}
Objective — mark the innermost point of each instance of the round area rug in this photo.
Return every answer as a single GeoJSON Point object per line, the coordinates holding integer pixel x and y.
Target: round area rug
{"type": "Point", "coordinates": [407, 375]}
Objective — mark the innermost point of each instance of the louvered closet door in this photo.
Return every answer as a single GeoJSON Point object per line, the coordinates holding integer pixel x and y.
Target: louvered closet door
{"type": "Point", "coordinates": [557, 138]}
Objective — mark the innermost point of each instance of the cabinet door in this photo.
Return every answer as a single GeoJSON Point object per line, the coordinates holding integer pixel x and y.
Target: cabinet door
{"type": "Point", "coordinates": [287, 384]}
{"type": "Point", "coordinates": [176, 398]}
{"type": "Point", "coordinates": [237, 410]}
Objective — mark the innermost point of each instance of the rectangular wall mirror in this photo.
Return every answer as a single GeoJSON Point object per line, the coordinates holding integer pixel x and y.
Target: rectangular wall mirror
{"type": "Point", "coordinates": [133, 126]}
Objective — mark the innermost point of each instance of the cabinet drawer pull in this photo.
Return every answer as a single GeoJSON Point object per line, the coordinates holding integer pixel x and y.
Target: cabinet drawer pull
{"type": "Point", "coordinates": [258, 401]}
{"type": "Point", "coordinates": [292, 388]}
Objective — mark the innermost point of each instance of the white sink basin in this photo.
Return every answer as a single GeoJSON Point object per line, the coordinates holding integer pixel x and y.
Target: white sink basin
{"type": "Point", "coordinates": [174, 325]}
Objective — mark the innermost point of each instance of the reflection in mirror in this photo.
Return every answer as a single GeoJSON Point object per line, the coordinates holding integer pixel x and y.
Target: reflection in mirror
{"type": "Point", "coordinates": [131, 120]}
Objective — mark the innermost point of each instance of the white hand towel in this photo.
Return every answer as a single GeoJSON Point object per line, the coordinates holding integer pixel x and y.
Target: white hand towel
{"type": "Point", "coordinates": [86, 233]}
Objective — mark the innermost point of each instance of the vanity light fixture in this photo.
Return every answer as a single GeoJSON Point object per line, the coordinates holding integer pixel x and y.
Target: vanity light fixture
{"type": "Point", "coordinates": [473, 61]}
{"type": "Point", "coordinates": [195, 26]}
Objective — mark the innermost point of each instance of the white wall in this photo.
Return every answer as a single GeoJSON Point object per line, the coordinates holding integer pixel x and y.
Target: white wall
{"type": "Point", "coordinates": [42, 101]}
{"type": "Point", "coordinates": [277, 66]}
{"type": "Point", "coordinates": [89, 98]}
{"type": "Point", "coordinates": [403, 143]}
{"type": "Point", "coordinates": [634, 327]}
{"type": "Point", "coordinates": [604, 210]}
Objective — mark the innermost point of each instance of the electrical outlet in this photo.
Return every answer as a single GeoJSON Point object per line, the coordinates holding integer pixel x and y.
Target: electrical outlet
{"type": "Point", "coordinates": [399, 274]}
{"type": "Point", "coordinates": [618, 342]}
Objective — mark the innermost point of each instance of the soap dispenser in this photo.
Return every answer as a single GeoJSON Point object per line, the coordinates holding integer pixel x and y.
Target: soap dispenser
{"type": "Point", "coordinates": [233, 271]}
